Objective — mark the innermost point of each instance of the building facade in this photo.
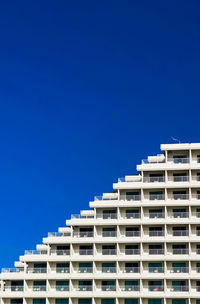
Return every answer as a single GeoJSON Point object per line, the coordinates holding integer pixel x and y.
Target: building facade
{"type": "Point", "coordinates": [139, 244]}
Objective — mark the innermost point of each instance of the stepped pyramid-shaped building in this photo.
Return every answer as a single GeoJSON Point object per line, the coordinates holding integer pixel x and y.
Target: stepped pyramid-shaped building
{"type": "Point", "coordinates": [137, 245]}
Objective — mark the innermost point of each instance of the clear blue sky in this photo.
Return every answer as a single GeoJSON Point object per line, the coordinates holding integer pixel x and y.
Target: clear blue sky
{"type": "Point", "coordinates": [87, 89]}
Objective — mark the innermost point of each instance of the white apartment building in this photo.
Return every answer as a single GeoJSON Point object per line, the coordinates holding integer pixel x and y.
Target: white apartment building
{"type": "Point", "coordinates": [139, 244]}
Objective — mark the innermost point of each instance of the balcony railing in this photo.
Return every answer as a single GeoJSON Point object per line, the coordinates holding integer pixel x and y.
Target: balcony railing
{"type": "Point", "coordinates": [79, 216]}
{"type": "Point", "coordinates": [198, 288]}
{"type": "Point", "coordinates": [84, 288]}
{"type": "Point", "coordinates": [61, 252]}
{"type": "Point", "coordinates": [109, 251]}
{"type": "Point", "coordinates": [180, 251]}
{"type": "Point", "coordinates": [180, 196]}
{"type": "Point", "coordinates": [179, 269]}
{"type": "Point", "coordinates": [31, 252]}
{"type": "Point", "coordinates": [62, 288]}
{"type": "Point", "coordinates": [156, 233]}
{"type": "Point", "coordinates": [179, 288]}
{"type": "Point", "coordinates": [39, 288]}
{"type": "Point", "coordinates": [132, 215]}
{"type": "Point", "coordinates": [37, 270]}
{"type": "Point", "coordinates": [14, 288]}
{"type": "Point", "coordinates": [153, 215]}
{"type": "Point", "coordinates": [108, 288]}
{"type": "Point", "coordinates": [156, 269]}
{"type": "Point", "coordinates": [131, 269]}
{"type": "Point", "coordinates": [86, 251]}
{"type": "Point", "coordinates": [109, 233]}
{"type": "Point", "coordinates": [156, 288]}
{"type": "Point", "coordinates": [62, 270]}
{"type": "Point", "coordinates": [159, 197]}
{"type": "Point", "coordinates": [181, 160]}
{"type": "Point", "coordinates": [107, 216]}
{"type": "Point", "coordinates": [130, 197]}
{"type": "Point", "coordinates": [132, 233]}
{"type": "Point", "coordinates": [132, 251]}
{"type": "Point", "coordinates": [85, 270]}
{"type": "Point", "coordinates": [156, 251]}
{"type": "Point", "coordinates": [158, 179]}
{"type": "Point", "coordinates": [83, 234]}
{"type": "Point", "coordinates": [54, 234]}
{"type": "Point", "coordinates": [179, 214]}
{"type": "Point", "coordinates": [130, 288]}
{"type": "Point", "coordinates": [8, 270]}
{"type": "Point", "coordinates": [108, 270]}
{"type": "Point", "coordinates": [180, 233]}
{"type": "Point", "coordinates": [179, 178]}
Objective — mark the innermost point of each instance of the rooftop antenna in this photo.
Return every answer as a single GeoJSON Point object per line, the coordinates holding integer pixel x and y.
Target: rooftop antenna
{"type": "Point", "coordinates": [175, 139]}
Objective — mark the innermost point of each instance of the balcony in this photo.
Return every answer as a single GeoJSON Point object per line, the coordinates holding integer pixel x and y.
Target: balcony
{"type": "Point", "coordinates": [156, 288]}
{"type": "Point", "coordinates": [131, 197]}
{"type": "Point", "coordinates": [179, 160]}
{"type": "Point", "coordinates": [179, 214]}
{"type": "Point", "coordinates": [156, 251]}
{"type": "Point", "coordinates": [176, 196]}
{"type": "Point", "coordinates": [39, 288]}
{"type": "Point", "coordinates": [12, 270]}
{"type": "Point", "coordinates": [84, 288]}
{"type": "Point", "coordinates": [79, 216]}
{"type": "Point", "coordinates": [132, 233]}
{"type": "Point", "coordinates": [156, 269]}
{"type": "Point", "coordinates": [61, 252]}
{"type": "Point", "coordinates": [37, 270]}
{"type": "Point", "coordinates": [179, 288]}
{"type": "Point", "coordinates": [183, 178]}
{"type": "Point", "coordinates": [107, 216]}
{"type": "Point", "coordinates": [180, 233]}
{"type": "Point", "coordinates": [130, 288]}
{"type": "Point", "coordinates": [132, 251]}
{"type": "Point", "coordinates": [108, 269]}
{"type": "Point", "coordinates": [85, 269]}
{"type": "Point", "coordinates": [83, 234]}
{"type": "Point", "coordinates": [179, 270]}
{"type": "Point", "coordinates": [158, 197]}
{"type": "Point", "coordinates": [180, 251]}
{"type": "Point", "coordinates": [156, 233]}
{"type": "Point", "coordinates": [155, 179]}
{"type": "Point", "coordinates": [33, 252]}
{"type": "Point", "coordinates": [14, 288]}
{"type": "Point", "coordinates": [108, 288]}
{"type": "Point", "coordinates": [132, 215]}
{"type": "Point", "coordinates": [62, 270]}
{"type": "Point", "coordinates": [109, 233]}
{"type": "Point", "coordinates": [131, 269]}
{"type": "Point", "coordinates": [62, 288]}
{"type": "Point", "coordinates": [109, 251]}
{"type": "Point", "coordinates": [86, 251]}
{"type": "Point", "coordinates": [153, 215]}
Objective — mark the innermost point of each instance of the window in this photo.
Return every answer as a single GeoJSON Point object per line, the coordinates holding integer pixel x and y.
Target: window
{"type": "Point", "coordinates": [179, 267]}
{"type": "Point", "coordinates": [17, 301]}
{"type": "Point", "coordinates": [132, 214]}
{"type": "Point", "coordinates": [156, 213]}
{"type": "Point", "coordinates": [108, 267]}
{"type": "Point", "coordinates": [156, 195]}
{"type": "Point", "coordinates": [154, 301]}
{"type": "Point", "coordinates": [108, 301]}
{"type": "Point", "coordinates": [62, 301]}
{"type": "Point", "coordinates": [178, 301]}
{"type": "Point", "coordinates": [85, 267]}
{"type": "Point", "coordinates": [155, 267]}
{"type": "Point", "coordinates": [133, 196]}
{"type": "Point", "coordinates": [39, 301]}
{"type": "Point", "coordinates": [130, 301]}
{"type": "Point", "coordinates": [109, 232]}
{"type": "Point", "coordinates": [84, 301]}
{"type": "Point", "coordinates": [62, 267]}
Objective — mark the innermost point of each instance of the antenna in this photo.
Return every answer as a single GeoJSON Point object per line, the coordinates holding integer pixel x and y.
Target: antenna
{"type": "Point", "coordinates": [175, 139]}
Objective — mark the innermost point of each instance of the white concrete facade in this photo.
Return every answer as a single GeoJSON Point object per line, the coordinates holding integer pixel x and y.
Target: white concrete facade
{"type": "Point", "coordinates": [139, 244]}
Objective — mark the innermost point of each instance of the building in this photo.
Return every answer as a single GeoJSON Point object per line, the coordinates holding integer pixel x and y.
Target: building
{"type": "Point", "coordinates": [137, 245]}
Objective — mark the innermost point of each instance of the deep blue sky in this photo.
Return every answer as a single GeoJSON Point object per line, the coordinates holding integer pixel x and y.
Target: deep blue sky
{"type": "Point", "coordinates": [87, 89]}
